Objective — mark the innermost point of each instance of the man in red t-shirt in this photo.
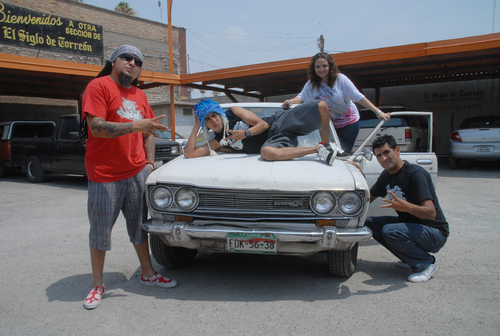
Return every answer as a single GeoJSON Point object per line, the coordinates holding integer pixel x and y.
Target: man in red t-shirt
{"type": "Point", "coordinates": [119, 157]}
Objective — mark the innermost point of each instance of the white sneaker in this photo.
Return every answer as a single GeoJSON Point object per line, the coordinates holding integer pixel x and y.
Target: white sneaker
{"type": "Point", "coordinates": [425, 275]}
{"type": "Point", "coordinates": [327, 152]}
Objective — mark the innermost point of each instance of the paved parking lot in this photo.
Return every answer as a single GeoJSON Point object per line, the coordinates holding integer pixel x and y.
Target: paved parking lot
{"type": "Point", "coordinates": [45, 276]}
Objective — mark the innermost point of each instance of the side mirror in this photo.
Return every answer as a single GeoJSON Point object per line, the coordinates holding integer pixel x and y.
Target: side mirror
{"type": "Point", "coordinates": [368, 154]}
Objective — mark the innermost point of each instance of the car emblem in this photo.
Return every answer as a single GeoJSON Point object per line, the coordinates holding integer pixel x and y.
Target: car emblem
{"type": "Point", "coordinates": [291, 204]}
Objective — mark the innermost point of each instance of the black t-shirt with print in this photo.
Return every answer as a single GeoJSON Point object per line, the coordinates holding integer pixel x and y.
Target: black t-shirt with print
{"type": "Point", "coordinates": [413, 184]}
{"type": "Point", "coordinates": [249, 145]}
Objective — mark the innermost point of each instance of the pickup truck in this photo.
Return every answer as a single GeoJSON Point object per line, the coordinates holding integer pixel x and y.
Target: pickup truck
{"type": "Point", "coordinates": [64, 151]}
{"type": "Point", "coordinates": [239, 203]}
{"type": "Point", "coordinates": [19, 129]}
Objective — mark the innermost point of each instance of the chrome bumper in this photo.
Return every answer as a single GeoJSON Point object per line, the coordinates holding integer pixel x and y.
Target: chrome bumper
{"type": "Point", "coordinates": [290, 241]}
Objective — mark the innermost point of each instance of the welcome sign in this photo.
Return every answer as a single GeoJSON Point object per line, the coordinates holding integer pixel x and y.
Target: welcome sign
{"type": "Point", "coordinates": [27, 28]}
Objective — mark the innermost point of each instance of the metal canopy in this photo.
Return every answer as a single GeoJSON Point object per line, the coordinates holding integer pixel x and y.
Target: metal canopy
{"type": "Point", "coordinates": [470, 58]}
{"type": "Point", "coordinates": [37, 77]}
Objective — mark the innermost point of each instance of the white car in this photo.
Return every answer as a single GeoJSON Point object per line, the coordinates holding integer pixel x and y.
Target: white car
{"type": "Point", "coordinates": [477, 139]}
{"type": "Point", "coordinates": [410, 129]}
{"type": "Point", "coordinates": [239, 203]}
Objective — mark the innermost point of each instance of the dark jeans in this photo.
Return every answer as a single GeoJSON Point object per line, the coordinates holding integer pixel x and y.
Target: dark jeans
{"type": "Point", "coordinates": [348, 135]}
{"type": "Point", "coordinates": [410, 242]}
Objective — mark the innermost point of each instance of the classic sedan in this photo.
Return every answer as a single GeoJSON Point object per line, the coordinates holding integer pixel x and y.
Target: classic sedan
{"type": "Point", "coordinates": [477, 139]}
{"type": "Point", "coordinates": [239, 203]}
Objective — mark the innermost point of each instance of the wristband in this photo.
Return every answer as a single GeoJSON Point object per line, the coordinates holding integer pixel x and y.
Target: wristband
{"type": "Point", "coordinates": [248, 134]}
{"type": "Point", "coordinates": [150, 163]}
{"type": "Point", "coordinates": [378, 112]}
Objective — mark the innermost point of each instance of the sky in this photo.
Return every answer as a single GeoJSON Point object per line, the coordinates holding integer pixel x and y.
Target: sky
{"type": "Point", "coordinates": [230, 33]}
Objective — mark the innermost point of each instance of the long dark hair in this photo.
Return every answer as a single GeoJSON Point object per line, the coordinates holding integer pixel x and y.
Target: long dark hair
{"type": "Point", "coordinates": [332, 76]}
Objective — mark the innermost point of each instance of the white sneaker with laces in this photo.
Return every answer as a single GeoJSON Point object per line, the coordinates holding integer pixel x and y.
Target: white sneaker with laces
{"type": "Point", "coordinates": [326, 152]}
{"type": "Point", "coordinates": [425, 275]}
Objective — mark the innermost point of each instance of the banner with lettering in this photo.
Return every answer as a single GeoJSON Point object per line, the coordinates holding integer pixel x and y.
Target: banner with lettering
{"type": "Point", "coordinates": [24, 27]}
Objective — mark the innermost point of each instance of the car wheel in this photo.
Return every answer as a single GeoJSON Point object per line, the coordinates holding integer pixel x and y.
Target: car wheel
{"type": "Point", "coordinates": [168, 256]}
{"type": "Point", "coordinates": [343, 263]}
{"type": "Point", "coordinates": [2, 170]}
{"type": "Point", "coordinates": [34, 171]}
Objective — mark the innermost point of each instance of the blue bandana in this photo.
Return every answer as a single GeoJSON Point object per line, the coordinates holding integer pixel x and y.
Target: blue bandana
{"type": "Point", "coordinates": [205, 107]}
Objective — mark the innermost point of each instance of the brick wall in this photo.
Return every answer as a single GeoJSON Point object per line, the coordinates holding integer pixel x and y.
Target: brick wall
{"type": "Point", "coordinates": [149, 36]}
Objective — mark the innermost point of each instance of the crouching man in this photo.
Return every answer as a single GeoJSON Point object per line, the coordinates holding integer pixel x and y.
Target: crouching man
{"type": "Point", "coordinates": [420, 227]}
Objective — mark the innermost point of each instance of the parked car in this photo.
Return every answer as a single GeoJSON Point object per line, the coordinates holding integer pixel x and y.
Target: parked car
{"type": "Point", "coordinates": [166, 149]}
{"type": "Point", "coordinates": [19, 129]}
{"type": "Point", "coordinates": [478, 138]}
{"type": "Point", "coordinates": [239, 203]}
{"type": "Point", "coordinates": [410, 131]}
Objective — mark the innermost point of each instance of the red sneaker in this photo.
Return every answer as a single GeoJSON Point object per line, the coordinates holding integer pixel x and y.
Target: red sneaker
{"type": "Point", "coordinates": [158, 280]}
{"type": "Point", "coordinates": [93, 300]}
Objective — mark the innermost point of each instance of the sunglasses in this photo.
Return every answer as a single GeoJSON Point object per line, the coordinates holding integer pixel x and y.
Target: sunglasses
{"type": "Point", "coordinates": [128, 57]}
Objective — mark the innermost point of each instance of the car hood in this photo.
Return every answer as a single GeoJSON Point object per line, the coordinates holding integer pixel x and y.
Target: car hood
{"type": "Point", "coordinates": [245, 171]}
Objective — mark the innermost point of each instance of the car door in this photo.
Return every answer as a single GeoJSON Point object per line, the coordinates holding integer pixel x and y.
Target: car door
{"type": "Point", "coordinates": [372, 169]}
{"type": "Point", "coordinates": [68, 152]}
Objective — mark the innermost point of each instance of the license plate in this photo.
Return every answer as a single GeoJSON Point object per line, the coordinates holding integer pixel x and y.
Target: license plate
{"type": "Point", "coordinates": [263, 243]}
{"type": "Point", "coordinates": [483, 149]}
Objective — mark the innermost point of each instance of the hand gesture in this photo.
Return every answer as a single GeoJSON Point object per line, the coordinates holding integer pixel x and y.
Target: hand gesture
{"type": "Point", "coordinates": [396, 203]}
{"type": "Point", "coordinates": [236, 135]}
{"type": "Point", "coordinates": [150, 125]}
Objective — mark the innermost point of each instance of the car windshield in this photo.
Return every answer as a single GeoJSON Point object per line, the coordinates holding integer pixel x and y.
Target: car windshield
{"type": "Point", "coordinates": [168, 135]}
{"type": "Point", "coordinates": [481, 122]}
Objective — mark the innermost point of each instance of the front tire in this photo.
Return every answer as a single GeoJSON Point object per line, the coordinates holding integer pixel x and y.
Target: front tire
{"type": "Point", "coordinates": [34, 171]}
{"type": "Point", "coordinates": [343, 263]}
{"type": "Point", "coordinates": [168, 256]}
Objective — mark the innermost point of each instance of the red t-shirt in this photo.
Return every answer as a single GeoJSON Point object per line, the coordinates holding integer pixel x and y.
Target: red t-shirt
{"type": "Point", "coordinates": [114, 159]}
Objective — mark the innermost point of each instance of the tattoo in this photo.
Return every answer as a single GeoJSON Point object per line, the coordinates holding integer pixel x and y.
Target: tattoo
{"type": "Point", "coordinates": [111, 130]}
{"type": "Point", "coordinates": [149, 146]}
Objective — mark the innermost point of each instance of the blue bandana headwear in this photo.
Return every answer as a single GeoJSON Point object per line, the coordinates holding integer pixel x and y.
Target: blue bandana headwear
{"type": "Point", "coordinates": [205, 107]}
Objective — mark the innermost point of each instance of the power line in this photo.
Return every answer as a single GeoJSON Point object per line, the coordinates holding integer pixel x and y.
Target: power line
{"type": "Point", "coordinates": [265, 37]}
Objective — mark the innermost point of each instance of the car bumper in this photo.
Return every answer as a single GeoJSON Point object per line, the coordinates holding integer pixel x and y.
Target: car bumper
{"type": "Point", "coordinates": [468, 150]}
{"type": "Point", "coordinates": [212, 235]}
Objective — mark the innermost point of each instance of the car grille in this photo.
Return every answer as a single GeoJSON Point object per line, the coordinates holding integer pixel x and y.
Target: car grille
{"type": "Point", "coordinates": [161, 151]}
{"type": "Point", "coordinates": [253, 202]}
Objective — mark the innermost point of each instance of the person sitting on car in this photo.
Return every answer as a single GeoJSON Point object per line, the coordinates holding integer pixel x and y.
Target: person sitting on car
{"type": "Point", "coordinates": [275, 138]}
{"type": "Point", "coordinates": [420, 227]}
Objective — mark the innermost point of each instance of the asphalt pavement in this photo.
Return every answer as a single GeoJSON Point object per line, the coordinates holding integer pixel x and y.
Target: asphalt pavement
{"type": "Point", "coordinates": [45, 275]}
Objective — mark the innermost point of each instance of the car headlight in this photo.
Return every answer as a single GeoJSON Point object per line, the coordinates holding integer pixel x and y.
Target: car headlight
{"type": "Point", "coordinates": [186, 198]}
{"type": "Point", "coordinates": [350, 203]}
{"type": "Point", "coordinates": [161, 197]}
{"type": "Point", "coordinates": [175, 150]}
{"type": "Point", "coordinates": [322, 203]}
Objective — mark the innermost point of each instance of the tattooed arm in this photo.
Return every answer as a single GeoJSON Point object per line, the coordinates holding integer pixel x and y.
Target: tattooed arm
{"type": "Point", "coordinates": [149, 146]}
{"type": "Point", "coordinates": [101, 128]}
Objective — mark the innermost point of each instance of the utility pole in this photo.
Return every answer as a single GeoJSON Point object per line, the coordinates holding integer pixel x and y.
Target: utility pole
{"type": "Point", "coordinates": [321, 43]}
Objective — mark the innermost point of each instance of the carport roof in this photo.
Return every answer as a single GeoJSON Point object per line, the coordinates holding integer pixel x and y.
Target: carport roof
{"type": "Point", "coordinates": [476, 57]}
